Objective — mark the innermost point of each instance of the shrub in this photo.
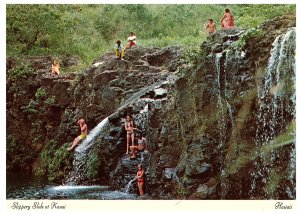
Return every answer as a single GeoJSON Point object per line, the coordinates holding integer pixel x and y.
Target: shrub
{"type": "Point", "coordinates": [17, 155]}
{"type": "Point", "coordinates": [93, 165]}
{"type": "Point", "coordinates": [23, 69]}
{"type": "Point", "coordinates": [56, 161]}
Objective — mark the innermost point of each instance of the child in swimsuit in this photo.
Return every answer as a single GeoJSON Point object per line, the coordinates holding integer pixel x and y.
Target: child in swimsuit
{"type": "Point", "coordinates": [129, 129]}
{"type": "Point", "coordinates": [119, 50]}
{"type": "Point", "coordinates": [82, 136]}
{"type": "Point", "coordinates": [227, 20]}
{"type": "Point", "coordinates": [140, 179]}
{"type": "Point", "coordinates": [142, 144]}
{"type": "Point", "coordinates": [55, 67]}
{"type": "Point", "coordinates": [131, 40]}
{"type": "Point", "coordinates": [211, 27]}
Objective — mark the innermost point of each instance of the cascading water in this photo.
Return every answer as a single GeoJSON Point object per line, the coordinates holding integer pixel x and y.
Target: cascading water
{"type": "Point", "coordinates": [82, 151]}
{"type": "Point", "coordinates": [276, 101]}
{"type": "Point", "coordinates": [129, 185]}
{"type": "Point", "coordinates": [219, 64]}
{"type": "Point", "coordinates": [152, 96]}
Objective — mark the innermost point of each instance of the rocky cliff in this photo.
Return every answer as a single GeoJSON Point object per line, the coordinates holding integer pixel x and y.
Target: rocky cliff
{"type": "Point", "coordinates": [219, 118]}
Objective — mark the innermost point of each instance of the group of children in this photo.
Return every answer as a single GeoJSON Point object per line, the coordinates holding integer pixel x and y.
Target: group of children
{"type": "Point", "coordinates": [130, 136]}
{"type": "Point", "coordinates": [120, 50]}
{"type": "Point", "coordinates": [227, 22]}
{"type": "Point", "coordinates": [142, 146]}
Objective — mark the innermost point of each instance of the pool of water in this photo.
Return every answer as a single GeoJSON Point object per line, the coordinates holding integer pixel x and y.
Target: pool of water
{"type": "Point", "coordinates": [31, 187]}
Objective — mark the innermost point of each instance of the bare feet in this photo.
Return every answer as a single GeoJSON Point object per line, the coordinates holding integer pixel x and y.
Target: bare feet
{"type": "Point", "coordinates": [69, 149]}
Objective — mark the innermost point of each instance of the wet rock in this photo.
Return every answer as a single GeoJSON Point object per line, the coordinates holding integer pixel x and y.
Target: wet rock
{"type": "Point", "coordinates": [202, 191]}
{"type": "Point", "coordinates": [169, 173]}
{"type": "Point", "coordinates": [217, 48]}
{"type": "Point", "coordinates": [196, 171]}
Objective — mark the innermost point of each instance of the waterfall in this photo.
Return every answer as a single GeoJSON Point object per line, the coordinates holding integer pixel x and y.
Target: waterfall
{"type": "Point", "coordinates": [89, 141]}
{"type": "Point", "coordinates": [128, 186]}
{"type": "Point", "coordinates": [154, 95]}
{"type": "Point", "coordinates": [220, 85]}
{"type": "Point", "coordinates": [276, 101]}
{"type": "Point", "coordinates": [218, 74]}
{"type": "Point", "coordinates": [82, 151]}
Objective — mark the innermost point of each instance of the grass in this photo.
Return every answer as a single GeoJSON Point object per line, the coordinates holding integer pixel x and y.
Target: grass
{"type": "Point", "coordinates": [91, 30]}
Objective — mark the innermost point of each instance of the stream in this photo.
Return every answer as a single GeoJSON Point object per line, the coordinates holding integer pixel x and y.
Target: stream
{"type": "Point", "coordinates": [32, 187]}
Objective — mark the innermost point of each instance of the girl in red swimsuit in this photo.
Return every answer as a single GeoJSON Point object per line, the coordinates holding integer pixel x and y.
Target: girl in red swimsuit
{"type": "Point", "coordinates": [227, 20]}
{"type": "Point", "coordinates": [140, 179]}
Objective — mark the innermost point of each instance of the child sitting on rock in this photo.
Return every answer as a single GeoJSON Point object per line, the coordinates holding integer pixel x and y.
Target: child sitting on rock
{"type": "Point", "coordinates": [55, 67]}
{"type": "Point", "coordinates": [119, 50]}
{"type": "Point", "coordinates": [82, 136]}
{"type": "Point", "coordinates": [142, 145]}
{"type": "Point", "coordinates": [131, 40]}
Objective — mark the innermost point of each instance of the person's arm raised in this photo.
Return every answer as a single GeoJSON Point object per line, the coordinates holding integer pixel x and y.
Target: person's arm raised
{"type": "Point", "coordinates": [83, 128]}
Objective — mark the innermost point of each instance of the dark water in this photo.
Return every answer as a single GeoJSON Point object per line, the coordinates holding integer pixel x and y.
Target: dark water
{"type": "Point", "coordinates": [31, 187]}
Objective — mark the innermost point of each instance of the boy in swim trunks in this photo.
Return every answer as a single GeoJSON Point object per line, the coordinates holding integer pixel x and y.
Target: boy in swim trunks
{"type": "Point", "coordinates": [82, 136]}
{"type": "Point", "coordinates": [211, 27]}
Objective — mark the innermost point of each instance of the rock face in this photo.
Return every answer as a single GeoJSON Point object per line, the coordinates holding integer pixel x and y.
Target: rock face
{"type": "Point", "coordinates": [221, 126]}
{"type": "Point", "coordinates": [93, 94]}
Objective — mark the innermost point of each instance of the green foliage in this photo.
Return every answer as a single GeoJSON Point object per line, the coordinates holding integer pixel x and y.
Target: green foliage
{"type": "Point", "coordinates": [49, 101]}
{"type": "Point", "coordinates": [31, 107]}
{"type": "Point", "coordinates": [32, 26]}
{"type": "Point", "coordinates": [55, 161]}
{"type": "Point", "coordinates": [246, 36]}
{"type": "Point", "coordinates": [93, 165]}
{"type": "Point", "coordinates": [193, 54]}
{"type": "Point", "coordinates": [249, 16]}
{"type": "Point", "coordinates": [40, 104]}
{"type": "Point", "coordinates": [22, 70]}
{"type": "Point", "coordinates": [91, 30]}
{"type": "Point", "coordinates": [60, 164]}
{"type": "Point", "coordinates": [180, 190]}
{"type": "Point", "coordinates": [40, 93]}
{"type": "Point", "coordinates": [18, 157]}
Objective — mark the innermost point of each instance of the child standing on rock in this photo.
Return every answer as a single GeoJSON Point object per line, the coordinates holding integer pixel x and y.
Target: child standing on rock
{"type": "Point", "coordinates": [130, 131]}
{"type": "Point", "coordinates": [140, 179]}
{"type": "Point", "coordinates": [210, 27]}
